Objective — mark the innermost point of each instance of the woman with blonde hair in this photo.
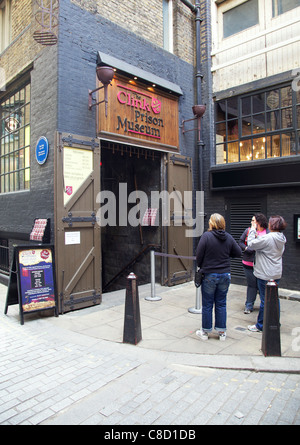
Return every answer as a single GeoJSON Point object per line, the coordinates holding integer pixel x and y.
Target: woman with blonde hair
{"type": "Point", "coordinates": [214, 251]}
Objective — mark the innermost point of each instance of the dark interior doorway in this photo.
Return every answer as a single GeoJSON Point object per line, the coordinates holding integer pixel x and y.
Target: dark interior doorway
{"type": "Point", "coordinates": [126, 170]}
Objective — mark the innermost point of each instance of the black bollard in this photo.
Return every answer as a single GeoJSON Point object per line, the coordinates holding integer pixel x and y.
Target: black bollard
{"type": "Point", "coordinates": [271, 329]}
{"type": "Point", "coordinates": [132, 320]}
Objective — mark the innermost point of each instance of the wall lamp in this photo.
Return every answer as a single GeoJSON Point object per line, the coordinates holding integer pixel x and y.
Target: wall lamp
{"type": "Point", "coordinates": [198, 111]}
{"type": "Point", "coordinates": [105, 74]}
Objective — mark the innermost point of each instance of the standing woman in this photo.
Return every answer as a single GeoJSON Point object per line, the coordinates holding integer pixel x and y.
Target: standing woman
{"type": "Point", "coordinates": [268, 260]}
{"type": "Point", "coordinates": [213, 257]}
{"type": "Point", "coordinates": [248, 259]}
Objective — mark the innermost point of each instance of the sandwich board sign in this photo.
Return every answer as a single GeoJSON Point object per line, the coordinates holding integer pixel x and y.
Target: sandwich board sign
{"type": "Point", "coordinates": [32, 280]}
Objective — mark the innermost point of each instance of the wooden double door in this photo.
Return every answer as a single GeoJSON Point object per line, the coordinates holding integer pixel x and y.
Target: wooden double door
{"type": "Point", "coordinates": [78, 233]}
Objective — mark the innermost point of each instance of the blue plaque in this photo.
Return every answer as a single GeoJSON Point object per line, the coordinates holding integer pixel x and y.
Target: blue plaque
{"type": "Point", "coordinates": [42, 150]}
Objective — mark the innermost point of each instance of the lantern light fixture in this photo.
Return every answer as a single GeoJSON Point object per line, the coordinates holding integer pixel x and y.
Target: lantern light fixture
{"type": "Point", "coordinates": [105, 75]}
{"type": "Point", "coordinates": [198, 111]}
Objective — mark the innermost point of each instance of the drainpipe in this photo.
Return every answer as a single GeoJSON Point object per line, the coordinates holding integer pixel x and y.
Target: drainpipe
{"type": "Point", "coordinates": [196, 10]}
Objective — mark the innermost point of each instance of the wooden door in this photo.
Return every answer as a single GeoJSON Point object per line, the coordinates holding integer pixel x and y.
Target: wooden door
{"type": "Point", "coordinates": [179, 181]}
{"type": "Point", "coordinates": [77, 234]}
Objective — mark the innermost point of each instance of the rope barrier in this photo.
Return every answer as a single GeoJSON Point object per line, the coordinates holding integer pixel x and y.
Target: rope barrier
{"type": "Point", "coordinates": [194, 310]}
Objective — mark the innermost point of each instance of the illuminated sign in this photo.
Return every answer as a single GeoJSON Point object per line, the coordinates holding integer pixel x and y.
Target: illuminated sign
{"type": "Point", "coordinates": [138, 112]}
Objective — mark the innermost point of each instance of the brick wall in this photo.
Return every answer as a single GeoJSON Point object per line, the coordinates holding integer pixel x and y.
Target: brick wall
{"type": "Point", "coordinates": [22, 49]}
{"type": "Point", "coordinates": [145, 19]}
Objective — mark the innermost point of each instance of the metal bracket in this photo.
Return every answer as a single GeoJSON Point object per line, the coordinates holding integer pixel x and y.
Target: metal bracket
{"type": "Point", "coordinates": [72, 219]}
{"type": "Point", "coordinates": [69, 140]}
{"type": "Point", "coordinates": [72, 302]}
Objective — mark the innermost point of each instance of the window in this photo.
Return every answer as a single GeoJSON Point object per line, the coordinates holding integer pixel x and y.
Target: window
{"type": "Point", "coordinates": [282, 6]}
{"type": "Point", "coordinates": [15, 141]}
{"type": "Point", "coordinates": [168, 25]}
{"type": "Point", "coordinates": [5, 24]}
{"type": "Point", "coordinates": [260, 125]}
{"type": "Point", "coordinates": [240, 18]}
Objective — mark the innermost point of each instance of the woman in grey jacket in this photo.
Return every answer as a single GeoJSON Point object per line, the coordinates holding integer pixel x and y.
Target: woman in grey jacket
{"type": "Point", "coordinates": [268, 260]}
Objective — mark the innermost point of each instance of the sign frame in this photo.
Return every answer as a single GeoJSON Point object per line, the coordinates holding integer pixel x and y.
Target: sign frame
{"type": "Point", "coordinates": [26, 280]}
{"type": "Point", "coordinates": [297, 227]}
{"type": "Point", "coordinates": [139, 114]}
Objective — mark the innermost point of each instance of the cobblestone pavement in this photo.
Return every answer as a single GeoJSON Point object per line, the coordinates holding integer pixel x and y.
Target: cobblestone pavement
{"type": "Point", "coordinates": [52, 376]}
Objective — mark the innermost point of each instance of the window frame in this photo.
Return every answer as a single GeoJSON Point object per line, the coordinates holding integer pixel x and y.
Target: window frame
{"type": "Point", "coordinates": [5, 24]}
{"type": "Point", "coordinates": [275, 9]}
{"type": "Point", "coordinates": [288, 126]}
{"type": "Point", "coordinates": [15, 128]}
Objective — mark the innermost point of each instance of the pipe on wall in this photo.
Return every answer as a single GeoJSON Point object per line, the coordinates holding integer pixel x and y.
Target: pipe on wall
{"type": "Point", "coordinates": [196, 10]}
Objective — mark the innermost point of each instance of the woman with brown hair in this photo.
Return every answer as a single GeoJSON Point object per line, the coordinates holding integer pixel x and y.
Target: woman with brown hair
{"type": "Point", "coordinates": [248, 259]}
{"type": "Point", "coordinates": [268, 260]}
{"type": "Point", "coordinates": [213, 257]}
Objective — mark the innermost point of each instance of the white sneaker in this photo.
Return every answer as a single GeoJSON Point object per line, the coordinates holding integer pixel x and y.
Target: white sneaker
{"type": "Point", "coordinates": [202, 334]}
{"type": "Point", "coordinates": [222, 336]}
{"type": "Point", "coordinates": [253, 328]}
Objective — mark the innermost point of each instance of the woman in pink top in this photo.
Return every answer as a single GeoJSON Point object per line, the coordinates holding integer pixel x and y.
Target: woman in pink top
{"type": "Point", "coordinates": [248, 258]}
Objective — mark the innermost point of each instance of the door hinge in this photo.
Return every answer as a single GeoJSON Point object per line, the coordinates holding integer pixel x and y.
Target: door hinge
{"type": "Point", "coordinates": [72, 219]}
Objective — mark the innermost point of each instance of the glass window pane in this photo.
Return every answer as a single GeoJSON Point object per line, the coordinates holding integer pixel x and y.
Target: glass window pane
{"type": "Point", "coordinates": [259, 148]}
{"type": "Point", "coordinates": [233, 129]}
{"type": "Point", "coordinates": [221, 154]}
{"type": "Point", "coordinates": [221, 111]}
{"type": "Point", "coordinates": [240, 18]}
{"type": "Point", "coordinates": [14, 136]}
{"type": "Point", "coordinates": [287, 118]}
{"type": "Point", "coordinates": [258, 103]}
{"type": "Point", "coordinates": [259, 123]}
{"type": "Point", "coordinates": [286, 97]}
{"type": "Point", "coordinates": [281, 6]}
{"type": "Point", "coordinates": [232, 107]}
{"type": "Point", "coordinates": [272, 101]}
{"type": "Point", "coordinates": [273, 146]}
{"type": "Point", "coordinates": [233, 151]}
{"type": "Point", "coordinates": [246, 126]}
{"type": "Point", "coordinates": [246, 106]}
{"type": "Point", "coordinates": [288, 144]}
{"type": "Point", "coordinates": [246, 150]}
{"type": "Point", "coordinates": [273, 120]}
{"type": "Point", "coordinates": [221, 131]}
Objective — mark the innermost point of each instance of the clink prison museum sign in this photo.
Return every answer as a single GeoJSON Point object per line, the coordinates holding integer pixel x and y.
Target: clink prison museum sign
{"type": "Point", "coordinates": [138, 112]}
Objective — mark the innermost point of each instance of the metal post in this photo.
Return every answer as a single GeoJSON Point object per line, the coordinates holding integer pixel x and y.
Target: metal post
{"type": "Point", "coordinates": [197, 309]}
{"type": "Point", "coordinates": [132, 332]}
{"type": "Point", "coordinates": [270, 344]}
{"type": "Point", "coordinates": [152, 265]}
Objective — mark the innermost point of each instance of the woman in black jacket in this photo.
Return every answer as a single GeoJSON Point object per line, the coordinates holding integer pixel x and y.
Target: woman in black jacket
{"type": "Point", "coordinates": [261, 224]}
{"type": "Point", "coordinates": [214, 251]}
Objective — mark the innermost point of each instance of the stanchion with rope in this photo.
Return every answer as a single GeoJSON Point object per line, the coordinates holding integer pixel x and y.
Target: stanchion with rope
{"type": "Point", "coordinates": [153, 296]}
{"type": "Point", "coordinates": [195, 310]}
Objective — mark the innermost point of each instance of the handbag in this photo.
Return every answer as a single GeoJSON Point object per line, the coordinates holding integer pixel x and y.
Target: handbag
{"type": "Point", "coordinates": [198, 277]}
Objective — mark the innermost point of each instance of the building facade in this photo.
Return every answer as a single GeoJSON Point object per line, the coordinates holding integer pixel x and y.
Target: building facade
{"type": "Point", "coordinates": [254, 160]}
{"type": "Point", "coordinates": [113, 147]}
{"type": "Point", "coordinates": [103, 161]}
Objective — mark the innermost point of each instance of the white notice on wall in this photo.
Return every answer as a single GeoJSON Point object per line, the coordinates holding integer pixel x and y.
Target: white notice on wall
{"type": "Point", "coordinates": [72, 238]}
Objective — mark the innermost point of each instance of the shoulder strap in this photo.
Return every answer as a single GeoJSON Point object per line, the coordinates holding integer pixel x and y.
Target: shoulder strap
{"type": "Point", "coordinates": [249, 228]}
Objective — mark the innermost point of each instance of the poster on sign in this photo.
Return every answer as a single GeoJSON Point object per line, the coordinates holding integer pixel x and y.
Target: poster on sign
{"type": "Point", "coordinates": [36, 287]}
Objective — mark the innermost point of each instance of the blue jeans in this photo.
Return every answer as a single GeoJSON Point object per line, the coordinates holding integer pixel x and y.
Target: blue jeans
{"type": "Point", "coordinates": [214, 292]}
{"type": "Point", "coordinates": [262, 292]}
{"type": "Point", "coordinates": [251, 288]}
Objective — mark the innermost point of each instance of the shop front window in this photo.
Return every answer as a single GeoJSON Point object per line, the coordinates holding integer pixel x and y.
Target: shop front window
{"type": "Point", "coordinates": [258, 126]}
{"type": "Point", "coordinates": [15, 141]}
